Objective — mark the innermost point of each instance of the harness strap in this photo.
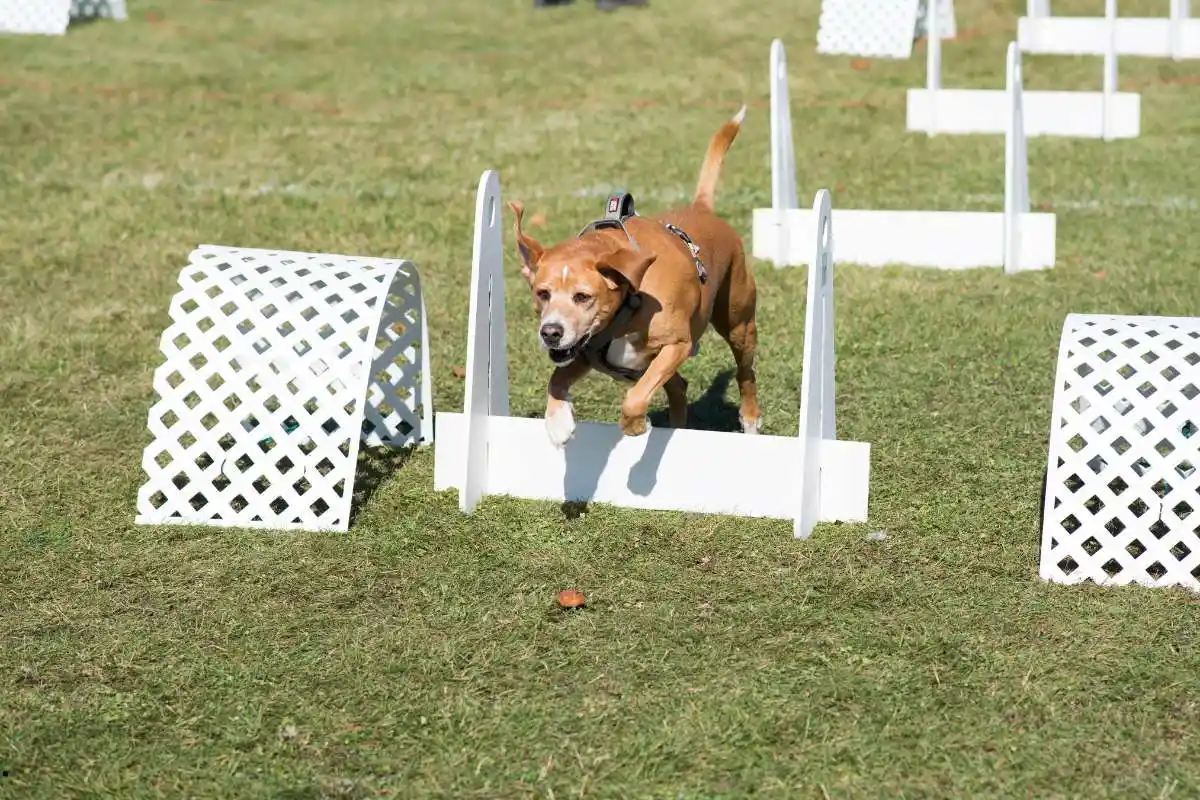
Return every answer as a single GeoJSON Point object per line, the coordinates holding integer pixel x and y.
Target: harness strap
{"type": "Point", "coordinates": [596, 351]}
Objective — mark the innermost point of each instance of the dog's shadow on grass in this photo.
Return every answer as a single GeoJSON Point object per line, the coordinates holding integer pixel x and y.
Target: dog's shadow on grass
{"type": "Point", "coordinates": [376, 465]}
{"type": "Point", "coordinates": [710, 412]}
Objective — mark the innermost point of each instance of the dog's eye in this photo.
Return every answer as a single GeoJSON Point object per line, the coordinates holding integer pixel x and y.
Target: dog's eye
{"type": "Point", "coordinates": [580, 298]}
{"type": "Point", "coordinates": [543, 295]}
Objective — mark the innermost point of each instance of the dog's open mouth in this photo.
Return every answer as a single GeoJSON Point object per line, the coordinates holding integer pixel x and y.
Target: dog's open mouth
{"type": "Point", "coordinates": [560, 357]}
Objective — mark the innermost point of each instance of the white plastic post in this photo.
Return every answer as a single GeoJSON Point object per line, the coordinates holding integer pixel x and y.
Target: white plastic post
{"type": "Point", "coordinates": [1110, 68]}
{"type": "Point", "coordinates": [933, 64]}
{"type": "Point", "coordinates": [1016, 163]}
{"type": "Point", "coordinates": [783, 156]}
{"type": "Point", "coordinates": [1180, 12]}
{"type": "Point", "coordinates": [486, 390]}
{"type": "Point", "coordinates": [818, 422]}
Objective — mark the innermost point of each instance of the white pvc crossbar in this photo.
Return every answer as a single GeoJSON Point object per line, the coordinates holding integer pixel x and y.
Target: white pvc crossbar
{"type": "Point", "coordinates": [1015, 238]}
{"type": "Point", "coordinates": [1122, 496]}
{"type": "Point", "coordinates": [275, 366]}
{"type": "Point", "coordinates": [1176, 36]}
{"type": "Point", "coordinates": [807, 478]}
{"type": "Point", "coordinates": [1107, 114]}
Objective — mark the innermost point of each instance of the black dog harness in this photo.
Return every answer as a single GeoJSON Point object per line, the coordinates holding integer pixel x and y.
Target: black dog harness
{"type": "Point", "coordinates": [619, 209]}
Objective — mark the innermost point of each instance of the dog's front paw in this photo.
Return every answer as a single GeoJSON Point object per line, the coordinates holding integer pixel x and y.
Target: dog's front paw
{"type": "Point", "coordinates": [634, 425]}
{"type": "Point", "coordinates": [752, 426]}
{"type": "Point", "coordinates": [560, 425]}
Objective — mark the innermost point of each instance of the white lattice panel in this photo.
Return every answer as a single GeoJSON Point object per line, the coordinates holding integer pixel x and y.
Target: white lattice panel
{"type": "Point", "coordinates": [877, 28]}
{"type": "Point", "coordinates": [268, 359]}
{"type": "Point", "coordinates": [47, 17]}
{"type": "Point", "coordinates": [104, 9]}
{"type": "Point", "coordinates": [1122, 501]}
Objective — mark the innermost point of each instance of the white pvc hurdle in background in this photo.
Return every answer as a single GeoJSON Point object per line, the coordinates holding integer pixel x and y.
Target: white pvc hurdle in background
{"type": "Point", "coordinates": [1122, 496]}
{"type": "Point", "coordinates": [1016, 238]}
{"type": "Point", "coordinates": [807, 478]}
{"type": "Point", "coordinates": [1175, 36]}
{"type": "Point", "coordinates": [276, 364]}
{"type": "Point", "coordinates": [1107, 114]}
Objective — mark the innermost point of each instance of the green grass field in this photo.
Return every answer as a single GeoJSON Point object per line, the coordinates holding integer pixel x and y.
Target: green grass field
{"type": "Point", "coordinates": [420, 655]}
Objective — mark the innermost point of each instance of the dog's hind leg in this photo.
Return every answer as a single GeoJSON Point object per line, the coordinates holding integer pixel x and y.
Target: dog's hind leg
{"type": "Point", "coordinates": [676, 389]}
{"type": "Point", "coordinates": [733, 319]}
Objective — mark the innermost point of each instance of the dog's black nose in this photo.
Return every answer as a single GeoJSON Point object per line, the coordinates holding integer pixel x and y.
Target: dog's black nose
{"type": "Point", "coordinates": [552, 333]}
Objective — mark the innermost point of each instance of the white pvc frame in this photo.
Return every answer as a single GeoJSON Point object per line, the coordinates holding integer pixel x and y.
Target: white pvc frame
{"type": "Point", "coordinates": [1176, 36]}
{"type": "Point", "coordinates": [1015, 238]}
{"type": "Point", "coordinates": [1107, 114]}
{"type": "Point", "coordinates": [808, 478]}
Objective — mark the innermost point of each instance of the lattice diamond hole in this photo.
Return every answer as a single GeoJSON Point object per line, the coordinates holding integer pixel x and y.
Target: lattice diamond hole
{"type": "Point", "coordinates": [1093, 504]}
{"type": "Point", "coordinates": [1100, 424]}
{"type": "Point", "coordinates": [1146, 389]}
{"type": "Point", "coordinates": [1135, 548]}
{"type": "Point", "coordinates": [1107, 355]}
{"type": "Point", "coordinates": [1138, 507]}
{"type": "Point", "coordinates": [1112, 567]}
{"type": "Point", "coordinates": [1156, 571]}
{"type": "Point", "coordinates": [1091, 546]}
{"type": "Point", "coordinates": [1071, 524]}
{"type": "Point", "coordinates": [1114, 526]}
{"type": "Point", "coordinates": [1164, 447]}
{"type": "Point", "coordinates": [1077, 443]}
{"type": "Point", "coordinates": [1117, 485]}
{"type": "Point", "coordinates": [1180, 551]}
{"type": "Point", "coordinates": [1159, 529]}
{"type": "Point", "coordinates": [1182, 510]}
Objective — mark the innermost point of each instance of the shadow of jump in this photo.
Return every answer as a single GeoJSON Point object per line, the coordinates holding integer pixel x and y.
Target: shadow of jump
{"type": "Point", "coordinates": [375, 466]}
{"type": "Point", "coordinates": [584, 469]}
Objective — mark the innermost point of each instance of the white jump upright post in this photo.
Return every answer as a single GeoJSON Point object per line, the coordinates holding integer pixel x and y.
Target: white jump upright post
{"type": "Point", "coordinates": [806, 478]}
{"type": "Point", "coordinates": [1175, 36]}
{"type": "Point", "coordinates": [1016, 238]}
{"type": "Point", "coordinates": [1122, 495]}
{"type": "Point", "coordinates": [276, 366]}
{"type": "Point", "coordinates": [1107, 114]}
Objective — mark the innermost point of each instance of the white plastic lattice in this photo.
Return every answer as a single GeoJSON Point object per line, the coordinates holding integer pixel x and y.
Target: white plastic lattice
{"type": "Point", "coordinates": [877, 28]}
{"type": "Point", "coordinates": [268, 359]}
{"type": "Point", "coordinates": [1122, 498]}
{"type": "Point", "coordinates": [104, 9]}
{"type": "Point", "coordinates": [47, 17]}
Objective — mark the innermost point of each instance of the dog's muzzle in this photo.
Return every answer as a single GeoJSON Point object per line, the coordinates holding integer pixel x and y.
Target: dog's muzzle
{"type": "Point", "coordinates": [561, 356]}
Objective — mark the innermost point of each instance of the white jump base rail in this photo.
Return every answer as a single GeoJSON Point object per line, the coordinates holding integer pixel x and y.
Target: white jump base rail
{"type": "Point", "coordinates": [276, 365]}
{"type": "Point", "coordinates": [1107, 114]}
{"type": "Point", "coordinates": [1176, 36]}
{"type": "Point", "coordinates": [1122, 498]}
{"type": "Point", "coordinates": [809, 478]}
{"type": "Point", "coordinates": [1015, 239]}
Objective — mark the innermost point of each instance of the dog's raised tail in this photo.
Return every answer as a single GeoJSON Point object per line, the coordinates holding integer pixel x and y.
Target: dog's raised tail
{"type": "Point", "coordinates": [710, 172]}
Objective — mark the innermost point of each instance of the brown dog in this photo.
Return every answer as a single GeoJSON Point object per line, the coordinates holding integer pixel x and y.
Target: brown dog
{"type": "Point", "coordinates": [631, 296]}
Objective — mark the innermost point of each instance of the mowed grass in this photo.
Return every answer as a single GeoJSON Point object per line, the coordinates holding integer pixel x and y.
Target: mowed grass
{"type": "Point", "coordinates": [421, 655]}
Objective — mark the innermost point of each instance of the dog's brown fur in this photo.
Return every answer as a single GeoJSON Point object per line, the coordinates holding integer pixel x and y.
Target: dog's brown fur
{"type": "Point", "coordinates": [579, 285]}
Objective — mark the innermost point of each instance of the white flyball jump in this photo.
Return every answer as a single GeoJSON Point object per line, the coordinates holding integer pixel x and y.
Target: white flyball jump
{"type": "Point", "coordinates": [276, 365]}
{"type": "Point", "coordinates": [52, 17]}
{"type": "Point", "coordinates": [1175, 36]}
{"type": "Point", "coordinates": [1016, 238]}
{"type": "Point", "coordinates": [808, 478]}
{"type": "Point", "coordinates": [1107, 114]}
{"type": "Point", "coordinates": [1122, 497]}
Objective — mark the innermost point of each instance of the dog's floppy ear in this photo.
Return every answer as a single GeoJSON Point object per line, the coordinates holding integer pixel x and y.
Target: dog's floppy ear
{"type": "Point", "coordinates": [625, 265]}
{"type": "Point", "coordinates": [530, 250]}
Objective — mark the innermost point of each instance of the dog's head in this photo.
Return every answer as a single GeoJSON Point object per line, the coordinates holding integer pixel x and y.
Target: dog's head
{"type": "Point", "coordinates": [578, 286]}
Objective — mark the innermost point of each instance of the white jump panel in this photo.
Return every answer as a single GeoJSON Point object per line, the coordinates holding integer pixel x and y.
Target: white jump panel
{"type": "Point", "coordinates": [1122, 501]}
{"type": "Point", "coordinates": [268, 360]}
{"type": "Point", "coordinates": [808, 478]}
{"type": "Point", "coordinates": [1175, 36]}
{"type": "Point", "coordinates": [947, 239]}
{"type": "Point", "coordinates": [1047, 113]}
{"type": "Point", "coordinates": [1016, 238]}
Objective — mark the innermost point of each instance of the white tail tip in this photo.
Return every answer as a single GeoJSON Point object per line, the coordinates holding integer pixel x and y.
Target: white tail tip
{"type": "Point", "coordinates": [741, 115]}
